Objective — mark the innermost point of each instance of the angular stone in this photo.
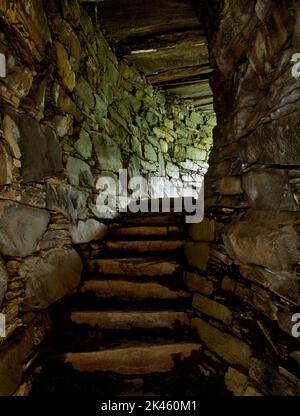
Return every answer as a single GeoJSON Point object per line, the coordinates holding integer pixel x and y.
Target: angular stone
{"type": "Point", "coordinates": [108, 152]}
{"type": "Point", "coordinates": [84, 145]}
{"type": "Point", "coordinates": [11, 134]}
{"type": "Point", "coordinates": [196, 154]}
{"type": "Point", "coordinates": [274, 143]}
{"type": "Point", "coordinates": [67, 75]}
{"type": "Point", "coordinates": [6, 166]}
{"type": "Point", "coordinates": [86, 231]}
{"type": "Point", "coordinates": [211, 308]}
{"type": "Point", "coordinates": [136, 146]}
{"type": "Point", "coordinates": [265, 239]}
{"type": "Point", "coordinates": [231, 349]}
{"type": "Point", "coordinates": [84, 91]}
{"type": "Point", "coordinates": [40, 149]}
{"type": "Point", "coordinates": [21, 228]}
{"type": "Point", "coordinates": [236, 382]}
{"type": "Point", "coordinates": [50, 278]}
{"type": "Point", "coordinates": [164, 147]}
{"type": "Point", "coordinates": [269, 379]}
{"type": "Point", "coordinates": [269, 189]}
{"type": "Point", "coordinates": [134, 168]}
{"type": "Point", "coordinates": [3, 281]}
{"type": "Point", "coordinates": [172, 170]}
{"type": "Point", "coordinates": [204, 230]}
{"type": "Point", "coordinates": [198, 283]}
{"type": "Point", "coordinates": [229, 186]}
{"type": "Point", "coordinates": [149, 153]}
{"type": "Point", "coordinates": [66, 199]}
{"type": "Point", "coordinates": [161, 165]}
{"type": "Point", "coordinates": [197, 254]}
{"type": "Point", "coordinates": [79, 172]}
{"type": "Point", "coordinates": [63, 125]}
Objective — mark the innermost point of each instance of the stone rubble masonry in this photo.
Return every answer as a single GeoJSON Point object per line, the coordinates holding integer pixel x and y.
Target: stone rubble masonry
{"type": "Point", "coordinates": [71, 111]}
{"type": "Point", "coordinates": [244, 257]}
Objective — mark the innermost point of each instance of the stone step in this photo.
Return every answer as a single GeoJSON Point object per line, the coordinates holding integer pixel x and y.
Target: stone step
{"type": "Point", "coordinates": [144, 232]}
{"type": "Point", "coordinates": [152, 246]}
{"type": "Point", "coordinates": [133, 291]}
{"type": "Point", "coordinates": [135, 267]}
{"type": "Point", "coordinates": [125, 320]}
{"type": "Point", "coordinates": [145, 359]}
{"type": "Point", "coordinates": [154, 220]}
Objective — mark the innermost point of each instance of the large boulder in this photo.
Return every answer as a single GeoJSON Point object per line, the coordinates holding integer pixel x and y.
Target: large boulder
{"type": "Point", "coordinates": [21, 228]}
{"type": "Point", "coordinates": [50, 278]}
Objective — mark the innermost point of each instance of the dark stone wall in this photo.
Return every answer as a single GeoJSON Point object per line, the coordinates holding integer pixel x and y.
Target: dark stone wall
{"type": "Point", "coordinates": [244, 257]}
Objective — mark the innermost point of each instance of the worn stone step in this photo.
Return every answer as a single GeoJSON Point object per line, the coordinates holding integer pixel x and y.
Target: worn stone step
{"type": "Point", "coordinates": [144, 232]}
{"type": "Point", "coordinates": [134, 291]}
{"type": "Point", "coordinates": [135, 267]}
{"type": "Point", "coordinates": [145, 359]}
{"type": "Point", "coordinates": [124, 320]}
{"type": "Point", "coordinates": [152, 246]}
{"type": "Point", "coordinates": [154, 220]}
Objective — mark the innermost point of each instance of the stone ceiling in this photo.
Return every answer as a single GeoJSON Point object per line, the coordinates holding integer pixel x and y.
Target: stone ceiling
{"type": "Point", "coordinates": [165, 40]}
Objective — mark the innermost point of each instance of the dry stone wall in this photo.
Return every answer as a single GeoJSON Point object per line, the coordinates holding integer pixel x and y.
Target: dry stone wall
{"type": "Point", "coordinates": [71, 112]}
{"type": "Point", "coordinates": [244, 257]}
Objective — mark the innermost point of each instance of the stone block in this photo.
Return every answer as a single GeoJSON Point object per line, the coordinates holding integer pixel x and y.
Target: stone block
{"type": "Point", "coordinates": [21, 228]}
{"type": "Point", "coordinates": [86, 231]}
{"type": "Point", "coordinates": [40, 149]}
{"type": "Point", "coordinates": [198, 283]}
{"type": "Point", "coordinates": [231, 349]}
{"type": "Point", "coordinates": [50, 278]}
{"type": "Point", "coordinates": [204, 230]}
{"type": "Point", "coordinates": [66, 199]}
{"type": "Point", "coordinates": [3, 280]}
{"type": "Point", "coordinates": [84, 145]}
{"type": "Point", "coordinates": [79, 173]}
{"type": "Point", "coordinates": [6, 166]}
{"type": "Point", "coordinates": [67, 75]}
{"type": "Point", "coordinates": [108, 152]}
{"type": "Point", "coordinates": [229, 185]}
{"type": "Point", "coordinates": [265, 239]}
{"type": "Point", "coordinates": [236, 382]}
{"type": "Point", "coordinates": [197, 254]}
{"type": "Point", "coordinates": [211, 308]}
{"type": "Point", "coordinates": [269, 189]}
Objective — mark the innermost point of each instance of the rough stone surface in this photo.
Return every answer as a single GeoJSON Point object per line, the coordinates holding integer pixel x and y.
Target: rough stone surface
{"type": "Point", "coordinates": [231, 349]}
{"type": "Point", "coordinates": [79, 173]}
{"type": "Point", "coordinates": [108, 153]}
{"type": "Point", "coordinates": [40, 149]}
{"type": "Point", "coordinates": [86, 231]}
{"type": "Point", "coordinates": [50, 278]}
{"type": "Point", "coordinates": [212, 308]}
{"type": "Point", "coordinates": [264, 239]}
{"type": "Point", "coordinates": [21, 228]}
{"type": "Point", "coordinates": [6, 166]}
{"type": "Point", "coordinates": [66, 199]}
{"type": "Point", "coordinates": [3, 280]}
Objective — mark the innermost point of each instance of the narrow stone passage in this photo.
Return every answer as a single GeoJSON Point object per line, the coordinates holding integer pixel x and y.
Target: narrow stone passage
{"type": "Point", "coordinates": [127, 331]}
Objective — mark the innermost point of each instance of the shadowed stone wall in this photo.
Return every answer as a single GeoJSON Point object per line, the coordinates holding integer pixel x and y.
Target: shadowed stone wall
{"type": "Point", "coordinates": [69, 113]}
{"type": "Point", "coordinates": [244, 258]}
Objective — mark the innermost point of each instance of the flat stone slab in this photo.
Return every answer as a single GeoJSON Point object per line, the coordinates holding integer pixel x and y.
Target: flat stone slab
{"type": "Point", "coordinates": [127, 290]}
{"type": "Point", "coordinates": [130, 319]}
{"type": "Point", "coordinates": [134, 360]}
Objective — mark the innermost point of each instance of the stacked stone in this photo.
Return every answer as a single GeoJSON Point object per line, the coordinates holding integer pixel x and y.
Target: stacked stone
{"type": "Point", "coordinates": [71, 112]}
{"type": "Point", "coordinates": [244, 257]}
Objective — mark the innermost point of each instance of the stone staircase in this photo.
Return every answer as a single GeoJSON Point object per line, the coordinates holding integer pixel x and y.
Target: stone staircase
{"type": "Point", "coordinates": [127, 331]}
